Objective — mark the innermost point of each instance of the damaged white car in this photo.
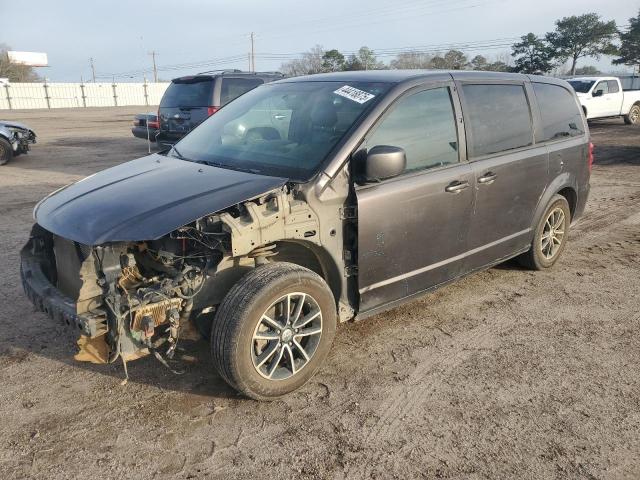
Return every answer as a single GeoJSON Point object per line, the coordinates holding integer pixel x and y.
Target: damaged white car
{"type": "Point", "coordinates": [15, 139]}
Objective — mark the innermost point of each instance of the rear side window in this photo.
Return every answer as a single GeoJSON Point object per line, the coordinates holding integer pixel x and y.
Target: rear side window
{"type": "Point", "coordinates": [498, 118]}
{"type": "Point", "coordinates": [232, 88]}
{"type": "Point", "coordinates": [613, 86]}
{"type": "Point", "coordinates": [561, 116]}
{"type": "Point", "coordinates": [188, 94]}
{"type": "Point", "coordinates": [424, 125]}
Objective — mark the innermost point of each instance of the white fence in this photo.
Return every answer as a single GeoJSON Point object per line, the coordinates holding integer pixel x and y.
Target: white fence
{"type": "Point", "coordinates": [14, 96]}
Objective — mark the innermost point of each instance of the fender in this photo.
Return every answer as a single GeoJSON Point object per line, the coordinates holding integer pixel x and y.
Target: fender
{"type": "Point", "coordinates": [5, 133]}
{"type": "Point", "coordinates": [330, 271]}
{"type": "Point", "coordinates": [562, 181]}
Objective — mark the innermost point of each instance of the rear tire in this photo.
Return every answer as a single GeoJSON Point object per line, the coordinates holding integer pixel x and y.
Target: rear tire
{"type": "Point", "coordinates": [550, 236]}
{"type": "Point", "coordinates": [6, 152]}
{"type": "Point", "coordinates": [633, 117]}
{"type": "Point", "coordinates": [273, 330]}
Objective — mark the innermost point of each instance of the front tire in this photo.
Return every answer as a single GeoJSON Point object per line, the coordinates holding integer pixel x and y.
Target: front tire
{"type": "Point", "coordinates": [550, 236]}
{"type": "Point", "coordinates": [273, 330]}
{"type": "Point", "coordinates": [6, 152]}
{"type": "Point", "coordinates": [633, 117]}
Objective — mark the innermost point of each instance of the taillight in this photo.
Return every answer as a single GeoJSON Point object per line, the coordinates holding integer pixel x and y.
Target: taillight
{"type": "Point", "coordinates": [212, 110]}
{"type": "Point", "coordinates": [154, 123]}
{"type": "Point", "coordinates": [590, 155]}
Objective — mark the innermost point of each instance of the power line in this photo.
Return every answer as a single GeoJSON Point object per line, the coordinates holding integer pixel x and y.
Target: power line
{"type": "Point", "coordinates": [359, 21]}
{"type": "Point", "coordinates": [490, 44]}
{"type": "Point", "coordinates": [184, 66]}
{"type": "Point", "coordinates": [349, 19]}
{"type": "Point", "coordinates": [436, 48]}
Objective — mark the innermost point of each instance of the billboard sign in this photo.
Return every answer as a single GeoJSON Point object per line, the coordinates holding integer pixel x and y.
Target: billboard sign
{"type": "Point", "coordinates": [32, 59]}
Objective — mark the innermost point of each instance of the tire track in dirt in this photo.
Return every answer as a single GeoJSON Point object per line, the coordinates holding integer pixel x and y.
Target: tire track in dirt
{"type": "Point", "coordinates": [412, 393]}
{"type": "Point", "coordinates": [608, 211]}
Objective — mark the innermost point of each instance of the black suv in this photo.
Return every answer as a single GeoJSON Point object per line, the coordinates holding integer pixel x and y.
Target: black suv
{"type": "Point", "coordinates": [190, 100]}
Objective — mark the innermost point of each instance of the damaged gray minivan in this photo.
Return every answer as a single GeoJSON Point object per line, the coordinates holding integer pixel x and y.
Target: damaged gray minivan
{"type": "Point", "coordinates": [307, 202]}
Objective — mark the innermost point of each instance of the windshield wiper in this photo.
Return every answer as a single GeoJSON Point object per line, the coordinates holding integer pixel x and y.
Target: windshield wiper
{"type": "Point", "coordinates": [178, 154]}
{"type": "Point", "coordinates": [227, 166]}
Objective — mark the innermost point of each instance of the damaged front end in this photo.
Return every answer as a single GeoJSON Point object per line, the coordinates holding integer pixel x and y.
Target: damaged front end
{"type": "Point", "coordinates": [127, 299]}
{"type": "Point", "coordinates": [19, 136]}
{"type": "Point", "coordinates": [124, 299]}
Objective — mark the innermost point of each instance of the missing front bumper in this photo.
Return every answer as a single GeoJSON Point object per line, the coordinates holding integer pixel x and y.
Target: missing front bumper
{"type": "Point", "coordinates": [46, 298]}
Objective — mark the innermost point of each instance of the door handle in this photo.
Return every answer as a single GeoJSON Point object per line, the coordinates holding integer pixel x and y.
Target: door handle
{"type": "Point", "coordinates": [456, 187]}
{"type": "Point", "coordinates": [279, 116]}
{"type": "Point", "coordinates": [487, 178]}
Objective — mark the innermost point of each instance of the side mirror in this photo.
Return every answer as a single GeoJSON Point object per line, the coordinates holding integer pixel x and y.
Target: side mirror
{"type": "Point", "coordinates": [598, 93]}
{"type": "Point", "coordinates": [384, 161]}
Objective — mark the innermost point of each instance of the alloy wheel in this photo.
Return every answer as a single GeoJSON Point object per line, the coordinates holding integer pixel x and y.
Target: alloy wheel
{"type": "Point", "coordinates": [553, 233]}
{"type": "Point", "coordinates": [286, 336]}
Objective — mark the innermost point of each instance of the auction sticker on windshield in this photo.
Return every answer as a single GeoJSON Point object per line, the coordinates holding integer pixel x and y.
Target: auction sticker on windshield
{"type": "Point", "coordinates": [354, 94]}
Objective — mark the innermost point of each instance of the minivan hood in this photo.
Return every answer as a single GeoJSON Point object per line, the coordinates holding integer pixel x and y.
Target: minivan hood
{"type": "Point", "coordinates": [145, 199]}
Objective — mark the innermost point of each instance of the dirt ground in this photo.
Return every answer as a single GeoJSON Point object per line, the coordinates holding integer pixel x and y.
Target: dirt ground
{"type": "Point", "coordinates": [506, 374]}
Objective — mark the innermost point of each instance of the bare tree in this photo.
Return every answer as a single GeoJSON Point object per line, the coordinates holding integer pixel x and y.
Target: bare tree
{"type": "Point", "coordinates": [311, 62]}
{"type": "Point", "coordinates": [411, 60]}
{"type": "Point", "coordinates": [365, 59]}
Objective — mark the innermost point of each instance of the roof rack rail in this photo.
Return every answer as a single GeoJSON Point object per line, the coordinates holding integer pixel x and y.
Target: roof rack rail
{"type": "Point", "coordinates": [234, 70]}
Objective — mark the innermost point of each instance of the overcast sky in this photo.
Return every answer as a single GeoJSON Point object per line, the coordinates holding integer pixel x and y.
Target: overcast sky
{"type": "Point", "coordinates": [119, 35]}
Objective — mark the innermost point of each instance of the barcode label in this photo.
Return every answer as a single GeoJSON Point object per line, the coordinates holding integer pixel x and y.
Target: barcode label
{"type": "Point", "coordinates": [354, 94]}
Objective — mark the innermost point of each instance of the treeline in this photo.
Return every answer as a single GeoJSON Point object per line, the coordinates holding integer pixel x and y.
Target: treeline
{"type": "Point", "coordinates": [573, 38]}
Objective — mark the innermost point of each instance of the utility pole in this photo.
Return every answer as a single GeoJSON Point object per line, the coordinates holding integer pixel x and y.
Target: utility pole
{"type": "Point", "coordinates": [155, 69]}
{"type": "Point", "coordinates": [253, 55]}
{"type": "Point", "coordinates": [93, 69]}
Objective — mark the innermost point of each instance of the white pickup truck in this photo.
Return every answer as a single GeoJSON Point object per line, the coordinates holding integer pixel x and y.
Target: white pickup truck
{"type": "Point", "coordinates": [602, 97]}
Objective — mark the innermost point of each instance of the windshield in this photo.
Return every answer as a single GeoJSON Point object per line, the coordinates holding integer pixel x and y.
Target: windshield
{"type": "Point", "coordinates": [581, 86]}
{"type": "Point", "coordinates": [284, 130]}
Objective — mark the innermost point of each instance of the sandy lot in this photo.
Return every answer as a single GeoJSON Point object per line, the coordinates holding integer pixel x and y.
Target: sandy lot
{"type": "Point", "coordinates": [507, 374]}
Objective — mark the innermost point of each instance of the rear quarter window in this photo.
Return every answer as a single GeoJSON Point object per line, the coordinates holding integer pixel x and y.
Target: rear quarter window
{"type": "Point", "coordinates": [559, 111]}
{"type": "Point", "coordinates": [188, 94]}
{"type": "Point", "coordinates": [232, 88]}
{"type": "Point", "coordinates": [498, 118]}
